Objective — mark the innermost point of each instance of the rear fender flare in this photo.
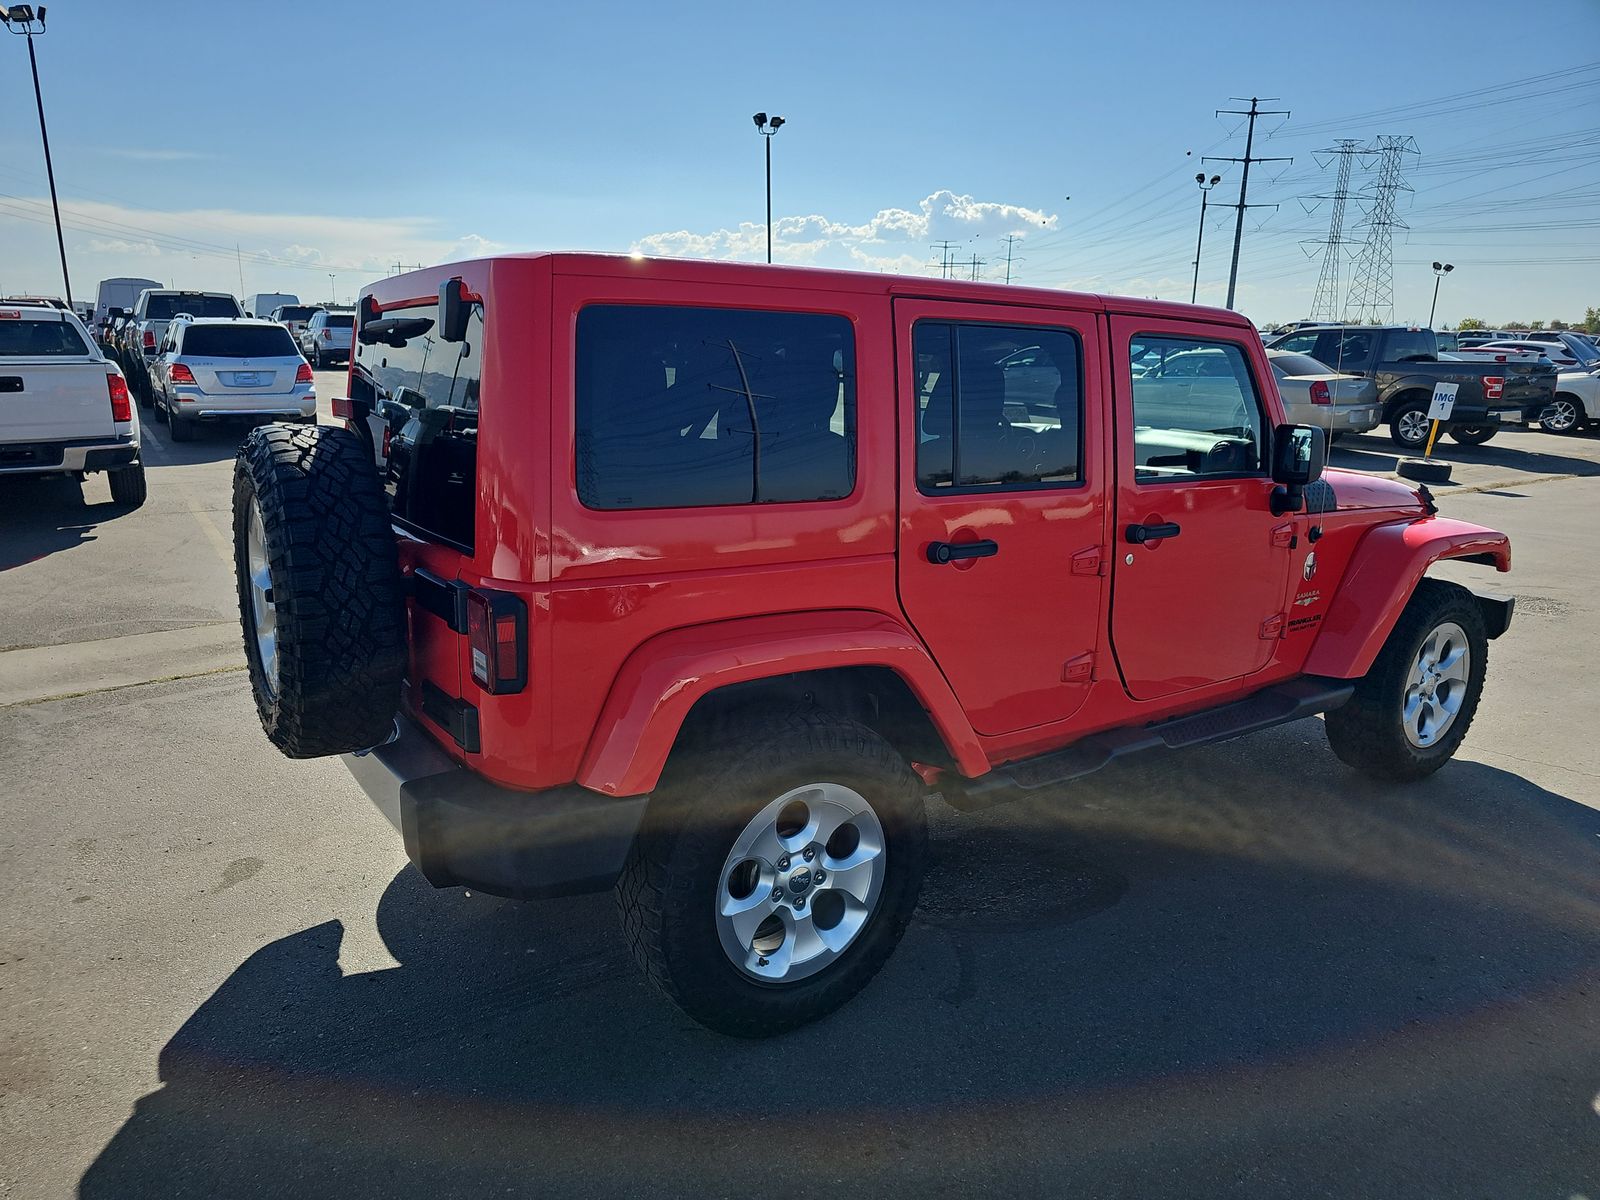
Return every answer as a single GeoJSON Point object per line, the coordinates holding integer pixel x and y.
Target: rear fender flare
{"type": "Point", "coordinates": [1383, 573]}
{"type": "Point", "coordinates": [661, 681]}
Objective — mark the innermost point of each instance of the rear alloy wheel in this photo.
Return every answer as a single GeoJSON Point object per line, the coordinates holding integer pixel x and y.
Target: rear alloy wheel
{"type": "Point", "coordinates": [1411, 710]}
{"type": "Point", "coordinates": [127, 485]}
{"type": "Point", "coordinates": [773, 881]}
{"type": "Point", "coordinates": [1562, 415]}
{"type": "Point", "coordinates": [320, 595]}
{"type": "Point", "coordinates": [1472, 435]}
{"type": "Point", "coordinates": [1409, 424]}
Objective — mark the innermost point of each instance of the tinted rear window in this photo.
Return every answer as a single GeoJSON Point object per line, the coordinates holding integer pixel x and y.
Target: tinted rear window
{"type": "Point", "coordinates": [341, 320]}
{"type": "Point", "coordinates": [296, 312]}
{"type": "Point", "coordinates": [1298, 364]}
{"type": "Point", "coordinates": [164, 308]}
{"type": "Point", "coordinates": [29, 339]}
{"type": "Point", "coordinates": [237, 341]}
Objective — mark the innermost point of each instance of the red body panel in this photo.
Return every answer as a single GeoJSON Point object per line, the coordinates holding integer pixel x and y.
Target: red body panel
{"type": "Point", "coordinates": [1384, 572]}
{"type": "Point", "coordinates": [664, 677]}
{"type": "Point", "coordinates": [634, 615]}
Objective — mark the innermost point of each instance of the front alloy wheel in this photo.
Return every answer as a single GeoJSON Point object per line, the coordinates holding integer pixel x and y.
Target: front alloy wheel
{"type": "Point", "coordinates": [1436, 685]}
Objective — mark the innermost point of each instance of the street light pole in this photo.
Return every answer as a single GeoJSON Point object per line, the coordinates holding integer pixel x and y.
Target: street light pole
{"type": "Point", "coordinates": [1440, 270]}
{"type": "Point", "coordinates": [333, 294]}
{"type": "Point", "coordinates": [768, 129]}
{"type": "Point", "coordinates": [21, 19]}
{"type": "Point", "coordinates": [1205, 192]}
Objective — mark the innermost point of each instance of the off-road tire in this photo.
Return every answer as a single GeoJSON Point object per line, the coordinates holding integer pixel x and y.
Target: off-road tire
{"type": "Point", "coordinates": [1367, 732]}
{"type": "Point", "coordinates": [666, 894]}
{"type": "Point", "coordinates": [127, 485]}
{"type": "Point", "coordinates": [336, 588]}
{"type": "Point", "coordinates": [1473, 435]}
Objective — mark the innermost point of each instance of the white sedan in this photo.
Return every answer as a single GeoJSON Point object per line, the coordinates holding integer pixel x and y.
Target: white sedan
{"type": "Point", "coordinates": [1576, 403]}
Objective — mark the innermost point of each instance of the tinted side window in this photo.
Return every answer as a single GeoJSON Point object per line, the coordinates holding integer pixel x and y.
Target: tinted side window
{"type": "Point", "coordinates": [687, 407]}
{"type": "Point", "coordinates": [1297, 343]}
{"type": "Point", "coordinates": [1189, 423]}
{"type": "Point", "coordinates": [997, 406]}
{"type": "Point", "coordinates": [427, 390]}
{"type": "Point", "coordinates": [1411, 344]}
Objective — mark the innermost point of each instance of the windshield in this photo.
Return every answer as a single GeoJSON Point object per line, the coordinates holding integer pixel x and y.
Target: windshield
{"type": "Point", "coordinates": [165, 306]}
{"type": "Point", "coordinates": [237, 341]}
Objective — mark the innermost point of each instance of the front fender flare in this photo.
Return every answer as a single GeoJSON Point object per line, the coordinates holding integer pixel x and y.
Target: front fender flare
{"type": "Point", "coordinates": [661, 681]}
{"type": "Point", "coordinates": [1388, 563]}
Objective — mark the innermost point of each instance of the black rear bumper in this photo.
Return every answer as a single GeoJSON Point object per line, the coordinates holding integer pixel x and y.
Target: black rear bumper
{"type": "Point", "coordinates": [461, 830]}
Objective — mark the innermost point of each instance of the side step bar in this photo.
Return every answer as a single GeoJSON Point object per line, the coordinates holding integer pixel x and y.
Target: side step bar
{"type": "Point", "coordinates": [1304, 697]}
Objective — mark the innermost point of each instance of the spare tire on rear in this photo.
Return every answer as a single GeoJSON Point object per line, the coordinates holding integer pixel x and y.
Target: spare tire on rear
{"type": "Point", "coordinates": [320, 593]}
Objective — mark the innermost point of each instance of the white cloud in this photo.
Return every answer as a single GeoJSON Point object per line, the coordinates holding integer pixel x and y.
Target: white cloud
{"type": "Point", "coordinates": [894, 239]}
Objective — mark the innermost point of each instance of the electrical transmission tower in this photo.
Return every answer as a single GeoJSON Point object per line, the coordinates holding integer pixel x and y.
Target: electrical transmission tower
{"type": "Point", "coordinates": [1011, 240]}
{"type": "Point", "coordinates": [1372, 282]}
{"type": "Point", "coordinates": [1325, 304]}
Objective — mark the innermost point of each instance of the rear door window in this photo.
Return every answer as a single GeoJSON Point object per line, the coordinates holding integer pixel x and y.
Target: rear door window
{"type": "Point", "coordinates": [426, 391]}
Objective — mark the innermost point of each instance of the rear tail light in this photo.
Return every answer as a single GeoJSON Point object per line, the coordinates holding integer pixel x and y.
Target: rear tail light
{"type": "Point", "coordinates": [1320, 393]}
{"type": "Point", "coordinates": [327, 335]}
{"type": "Point", "coordinates": [117, 386]}
{"type": "Point", "coordinates": [1493, 386]}
{"type": "Point", "coordinates": [179, 373]}
{"type": "Point", "coordinates": [302, 373]}
{"type": "Point", "coordinates": [149, 340]}
{"type": "Point", "coordinates": [497, 635]}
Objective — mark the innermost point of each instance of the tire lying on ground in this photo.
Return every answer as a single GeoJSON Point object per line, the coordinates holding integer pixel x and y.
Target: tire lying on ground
{"type": "Point", "coordinates": [1423, 470]}
{"type": "Point", "coordinates": [320, 593]}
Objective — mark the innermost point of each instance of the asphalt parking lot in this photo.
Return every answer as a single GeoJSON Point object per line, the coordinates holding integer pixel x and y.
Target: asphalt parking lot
{"type": "Point", "coordinates": [1242, 970]}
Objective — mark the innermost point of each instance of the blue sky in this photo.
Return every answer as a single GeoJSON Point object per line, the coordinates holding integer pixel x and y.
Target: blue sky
{"type": "Point", "coordinates": [343, 138]}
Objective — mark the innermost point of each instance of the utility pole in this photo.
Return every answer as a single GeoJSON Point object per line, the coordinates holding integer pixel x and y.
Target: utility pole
{"type": "Point", "coordinates": [1011, 240]}
{"type": "Point", "coordinates": [977, 264]}
{"type": "Point", "coordinates": [945, 261]}
{"type": "Point", "coordinates": [1244, 179]}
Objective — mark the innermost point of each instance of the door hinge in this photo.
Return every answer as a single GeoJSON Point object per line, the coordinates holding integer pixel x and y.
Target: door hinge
{"type": "Point", "coordinates": [1284, 535]}
{"type": "Point", "coordinates": [1272, 627]}
{"type": "Point", "coordinates": [1079, 669]}
{"type": "Point", "coordinates": [1090, 561]}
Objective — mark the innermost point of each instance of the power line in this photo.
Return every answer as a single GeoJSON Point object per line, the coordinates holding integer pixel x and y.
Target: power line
{"type": "Point", "coordinates": [1244, 179]}
{"type": "Point", "coordinates": [1372, 286]}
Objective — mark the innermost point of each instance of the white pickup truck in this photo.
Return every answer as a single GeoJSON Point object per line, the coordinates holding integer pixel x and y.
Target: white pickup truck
{"type": "Point", "coordinates": [64, 407]}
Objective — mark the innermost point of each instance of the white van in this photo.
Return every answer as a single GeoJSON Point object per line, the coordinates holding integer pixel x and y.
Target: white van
{"type": "Point", "coordinates": [122, 292]}
{"type": "Point", "coordinates": [261, 304]}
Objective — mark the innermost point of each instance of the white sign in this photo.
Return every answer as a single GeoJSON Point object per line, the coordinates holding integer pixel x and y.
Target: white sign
{"type": "Point", "coordinates": [1444, 401]}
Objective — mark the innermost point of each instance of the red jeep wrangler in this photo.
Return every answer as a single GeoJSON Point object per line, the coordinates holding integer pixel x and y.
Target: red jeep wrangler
{"type": "Point", "coordinates": [693, 578]}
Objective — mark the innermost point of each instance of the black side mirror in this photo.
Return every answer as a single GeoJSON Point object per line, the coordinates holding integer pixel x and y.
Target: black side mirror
{"type": "Point", "coordinates": [455, 309]}
{"type": "Point", "coordinates": [1299, 452]}
{"type": "Point", "coordinates": [114, 312]}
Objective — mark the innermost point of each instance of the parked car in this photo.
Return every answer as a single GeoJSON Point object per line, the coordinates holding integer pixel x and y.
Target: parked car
{"type": "Point", "coordinates": [326, 338]}
{"type": "Point", "coordinates": [211, 370]}
{"type": "Point", "coordinates": [758, 557]}
{"type": "Point", "coordinates": [64, 407]}
{"type": "Point", "coordinates": [294, 318]}
{"type": "Point", "coordinates": [1559, 353]}
{"type": "Point", "coordinates": [151, 313]}
{"type": "Point", "coordinates": [1315, 394]}
{"type": "Point", "coordinates": [261, 304]}
{"type": "Point", "coordinates": [1405, 364]}
{"type": "Point", "coordinates": [1576, 405]}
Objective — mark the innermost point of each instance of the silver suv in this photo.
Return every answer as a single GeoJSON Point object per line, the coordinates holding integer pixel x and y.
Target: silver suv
{"type": "Point", "coordinates": [210, 369]}
{"type": "Point", "coordinates": [327, 337]}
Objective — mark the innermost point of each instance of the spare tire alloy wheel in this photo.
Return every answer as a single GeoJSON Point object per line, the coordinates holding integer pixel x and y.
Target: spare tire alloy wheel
{"type": "Point", "coordinates": [801, 882]}
{"type": "Point", "coordinates": [321, 605]}
{"type": "Point", "coordinates": [1560, 416]}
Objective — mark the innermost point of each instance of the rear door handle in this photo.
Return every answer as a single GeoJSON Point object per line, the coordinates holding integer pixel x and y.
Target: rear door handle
{"type": "Point", "coordinates": [1140, 534]}
{"type": "Point", "coordinates": [947, 552]}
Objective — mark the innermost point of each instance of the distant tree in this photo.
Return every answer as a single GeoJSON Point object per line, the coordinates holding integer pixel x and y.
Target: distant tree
{"type": "Point", "coordinates": [1591, 320]}
{"type": "Point", "coordinates": [1535, 324]}
{"type": "Point", "coordinates": [1470, 323]}
{"type": "Point", "coordinates": [1559, 325]}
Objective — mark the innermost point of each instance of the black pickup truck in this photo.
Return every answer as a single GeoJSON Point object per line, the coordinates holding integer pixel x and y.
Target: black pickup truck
{"type": "Point", "coordinates": [1404, 364]}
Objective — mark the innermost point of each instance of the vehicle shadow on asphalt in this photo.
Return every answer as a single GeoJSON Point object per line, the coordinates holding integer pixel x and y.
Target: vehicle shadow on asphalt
{"type": "Point", "coordinates": [1509, 450]}
{"type": "Point", "coordinates": [39, 517]}
{"type": "Point", "coordinates": [1287, 983]}
{"type": "Point", "coordinates": [211, 442]}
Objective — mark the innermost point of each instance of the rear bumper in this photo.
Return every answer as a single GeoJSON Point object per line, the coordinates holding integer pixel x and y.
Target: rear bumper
{"type": "Point", "coordinates": [84, 454]}
{"type": "Point", "coordinates": [460, 830]}
{"type": "Point", "coordinates": [200, 406]}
